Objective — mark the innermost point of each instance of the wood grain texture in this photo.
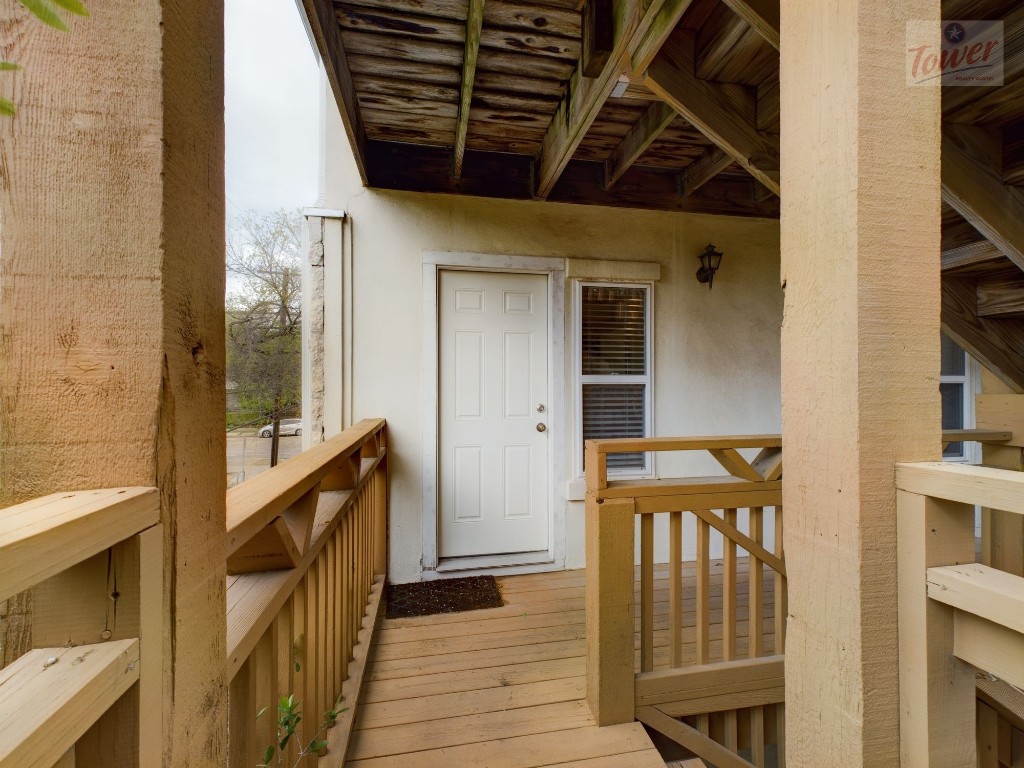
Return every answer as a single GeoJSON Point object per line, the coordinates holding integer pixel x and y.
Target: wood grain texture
{"type": "Point", "coordinates": [113, 375]}
{"type": "Point", "coordinates": [727, 116]}
{"type": "Point", "coordinates": [852, 190]}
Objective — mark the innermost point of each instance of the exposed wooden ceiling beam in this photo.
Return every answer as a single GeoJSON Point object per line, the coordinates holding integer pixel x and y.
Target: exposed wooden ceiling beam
{"type": "Point", "coordinates": [970, 255]}
{"type": "Point", "coordinates": [585, 96]}
{"type": "Point", "coordinates": [645, 131]}
{"type": "Point", "coordinates": [1001, 296]}
{"type": "Point", "coordinates": [998, 343]}
{"type": "Point", "coordinates": [1013, 154]}
{"type": "Point", "coordinates": [972, 184]}
{"type": "Point", "coordinates": [323, 24]}
{"type": "Point", "coordinates": [474, 25]}
{"type": "Point", "coordinates": [762, 15]}
{"type": "Point", "coordinates": [704, 169]}
{"type": "Point", "coordinates": [419, 168]}
{"type": "Point", "coordinates": [649, 43]}
{"type": "Point", "coordinates": [725, 113]}
{"type": "Point", "coordinates": [598, 38]}
{"type": "Point", "coordinates": [956, 99]}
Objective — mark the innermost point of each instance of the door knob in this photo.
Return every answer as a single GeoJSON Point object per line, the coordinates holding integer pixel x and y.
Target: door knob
{"type": "Point", "coordinates": [542, 427]}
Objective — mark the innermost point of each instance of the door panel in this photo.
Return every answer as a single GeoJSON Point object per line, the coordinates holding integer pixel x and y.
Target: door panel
{"type": "Point", "coordinates": [493, 340]}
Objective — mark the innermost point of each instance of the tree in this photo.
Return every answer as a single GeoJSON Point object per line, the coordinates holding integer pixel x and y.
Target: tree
{"type": "Point", "coordinates": [264, 346]}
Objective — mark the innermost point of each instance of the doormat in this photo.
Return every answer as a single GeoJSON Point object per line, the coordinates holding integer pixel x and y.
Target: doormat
{"type": "Point", "coordinates": [443, 596]}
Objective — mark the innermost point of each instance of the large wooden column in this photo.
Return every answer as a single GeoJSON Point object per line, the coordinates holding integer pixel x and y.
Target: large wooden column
{"type": "Point", "coordinates": [112, 302]}
{"type": "Point", "coordinates": [860, 359]}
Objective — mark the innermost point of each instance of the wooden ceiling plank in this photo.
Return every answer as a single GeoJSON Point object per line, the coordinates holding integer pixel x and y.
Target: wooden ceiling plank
{"type": "Point", "coordinates": [762, 15]}
{"type": "Point", "coordinates": [1013, 154]}
{"type": "Point", "coordinates": [972, 184]}
{"type": "Point", "coordinates": [995, 342]}
{"type": "Point", "coordinates": [598, 37]}
{"type": "Point", "coordinates": [649, 43]}
{"type": "Point", "coordinates": [704, 169]}
{"type": "Point", "coordinates": [323, 26]}
{"type": "Point", "coordinates": [585, 96]}
{"type": "Point", "coordinates": [970, 255]}
{"type": "Point", "coordinates": [644, 132]}
{"type": "Point", "coordinates": [474, 24]}
{"type": "Point", "coordinates": [955, 100]}
{"type": "Point", "coordinates": [1001, 296]}
{"type": "Point", "coordinates": [713, 112]}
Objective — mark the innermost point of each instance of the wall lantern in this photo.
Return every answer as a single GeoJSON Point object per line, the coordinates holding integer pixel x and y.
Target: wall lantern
{"type": "Point", "coordinates": [710, 261]}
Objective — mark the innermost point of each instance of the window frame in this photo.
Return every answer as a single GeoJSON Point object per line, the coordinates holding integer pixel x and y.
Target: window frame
{"type": "Point", "coordinates": [579, 380]}
{"type": "Point", "coordinates": [970, 380]}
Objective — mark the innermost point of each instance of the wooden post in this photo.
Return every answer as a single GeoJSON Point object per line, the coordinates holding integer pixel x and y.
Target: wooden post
{"type": "Point", "coordinates": [860, 357]}
{"type": "Point", "coordinates": [112, 313]}
{"type": "Point", "coordinates": [610, 617]}
{"type": "Point", "coordinates": [937, 691]}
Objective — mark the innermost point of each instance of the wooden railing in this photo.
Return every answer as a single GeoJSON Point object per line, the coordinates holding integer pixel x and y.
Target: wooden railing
{"type": "Point", "coordinates": [955, 615]}
{"type": "Point", "coordinates": [95, 561]}
{"type": "Point", "coordinates": [307, 555]}
{"type": "Point", "coordinates": [711, 653]}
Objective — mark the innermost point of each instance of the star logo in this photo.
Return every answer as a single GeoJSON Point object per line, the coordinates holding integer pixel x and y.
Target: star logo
{"type": "Point", "coordinates": [954, 33]}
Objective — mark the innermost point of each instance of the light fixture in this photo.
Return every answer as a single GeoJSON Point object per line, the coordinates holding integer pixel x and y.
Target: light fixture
{"type": "Point", "coordinates": [710, 261]}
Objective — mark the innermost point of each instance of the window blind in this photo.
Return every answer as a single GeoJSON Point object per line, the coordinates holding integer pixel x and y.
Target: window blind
{"type": "Point", "coordinates": [614, 331]}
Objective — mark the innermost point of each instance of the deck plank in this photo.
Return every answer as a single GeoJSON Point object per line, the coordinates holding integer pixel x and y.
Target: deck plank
{"type": "Point", "coordinates": [506, 688]}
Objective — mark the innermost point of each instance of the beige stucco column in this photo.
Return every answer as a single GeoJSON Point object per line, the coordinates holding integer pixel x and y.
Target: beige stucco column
{"type": "Point", "coordinates": [112, 302]}
{"type": "Point", "coordinates": [860, 346]}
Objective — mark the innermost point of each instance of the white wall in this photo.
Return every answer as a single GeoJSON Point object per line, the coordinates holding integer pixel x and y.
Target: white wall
{"type": "Point", "coordinates": [716, 353]}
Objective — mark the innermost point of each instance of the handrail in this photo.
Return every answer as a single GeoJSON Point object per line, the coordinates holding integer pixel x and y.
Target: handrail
{"type": "Point", "coordinates": [66, 546]}
{"type": "Point", "coordinates": [256, 502]}
{"type": "Point", "coordinates": [965, 483]}
{"type": "Point", "coordinates": [950, 606]}
{"type": "Point", "coordinates": [307, 549]}
{"type": "Point", "coordinates": [48, 535]}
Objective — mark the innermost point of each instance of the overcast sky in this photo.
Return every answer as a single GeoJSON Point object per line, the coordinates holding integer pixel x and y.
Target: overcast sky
{"type": "Point", "coordinates": [272, 103]}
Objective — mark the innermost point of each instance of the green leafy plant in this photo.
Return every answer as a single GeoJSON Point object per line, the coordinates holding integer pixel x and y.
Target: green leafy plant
{"type": "Point", "coordinates": [289, 715]}
{"type": "Point", "coordinates": [48, 12]}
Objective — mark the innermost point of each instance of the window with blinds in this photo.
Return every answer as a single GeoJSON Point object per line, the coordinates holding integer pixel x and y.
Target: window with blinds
{"type": "Point", "coordinates": [956, 389]}
{"type": "Point", "coordinates": [614, 337]}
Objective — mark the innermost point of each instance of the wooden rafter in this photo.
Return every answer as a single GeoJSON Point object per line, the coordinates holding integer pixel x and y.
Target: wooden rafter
{"type": "Point", "coordinates": [956, 99]}
{"type": "Point", "coordinates": [585, 96]}
{"type": "Point", "coordinates": [474, 26]}
{"type": "Point", "coordinates": [1001, 295]}
{"type": "Point", "coordinates": [704, 169]}
{"type": "Point", "coordinates": [644, 132]}
{"type": "Point", "coordinates": [972, 184]}
{"type": "Point", "coordinates": [323, 25]}
{"type": "Point", "coordinates": [725, 113]}
{"type": "Point", "coordinates": [998, 343]}
{"type": "Point", "coordinates": [970, 255]}
{"type": "Point", "coordinates": [762, 15]}
{"type": "Point", "coordinates": [598, 37]}
{"type": "Point", "coordinates": [649, 43]}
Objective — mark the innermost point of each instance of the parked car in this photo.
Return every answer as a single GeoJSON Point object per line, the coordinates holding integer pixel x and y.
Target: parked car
{"type": "Point", "coordinates": [288, 427]}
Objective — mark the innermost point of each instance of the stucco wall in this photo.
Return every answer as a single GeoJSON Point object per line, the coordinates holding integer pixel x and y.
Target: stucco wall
{"type": "Point", "coordinates": [716, 353]}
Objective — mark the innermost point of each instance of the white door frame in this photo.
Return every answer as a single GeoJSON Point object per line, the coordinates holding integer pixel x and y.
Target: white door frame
{"type": "Point", "coordinates": [554, 557]}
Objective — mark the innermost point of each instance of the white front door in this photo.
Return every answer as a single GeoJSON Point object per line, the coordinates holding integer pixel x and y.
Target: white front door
{"type": "Point", "coordinates": [493, 413]}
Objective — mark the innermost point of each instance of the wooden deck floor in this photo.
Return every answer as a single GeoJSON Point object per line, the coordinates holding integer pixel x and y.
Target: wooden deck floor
{"type": "Point", "coordinates": [498, 688]}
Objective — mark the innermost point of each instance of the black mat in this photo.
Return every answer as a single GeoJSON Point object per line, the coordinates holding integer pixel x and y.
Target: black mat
{"type": "Point", "coordinates": [443, 596]}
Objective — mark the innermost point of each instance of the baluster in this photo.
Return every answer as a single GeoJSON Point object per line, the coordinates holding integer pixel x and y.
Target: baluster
{"type": "Point", "coordinates": [703, 606]}
{"type": "Point", "coordinates": [380, 514]}
{"type": "Point", "coordinates": [341, 665]}
{"type": "Point", "coordinates": [781, 596]}
{"type": "Point", "coordinates": [729, 621]}
{"type": "Point", "coordinates": [323, 653]}
{"type": "Point", "coordinates": [675, 589]}
{"type": "Point", "coordinates": [297, 653]}
{"type": "Point", "coordinates": [780, 735]}
{"type": "Point", "coordinates": [241, 751]}
{"type": "Point", "coordinates": [646, 593]}
{"type": "Point", "coordinates": [330, 623]}
{"type": "Point", "coordinates": [311, 704]}
{"type": "Point", "coordinates": [755, 628]}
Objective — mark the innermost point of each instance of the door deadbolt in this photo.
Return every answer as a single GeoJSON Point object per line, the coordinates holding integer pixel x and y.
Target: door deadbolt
{"type": "Point", "coordinates": [542, 427]}
{"type": "Point", "coordinates": [540, 408]}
